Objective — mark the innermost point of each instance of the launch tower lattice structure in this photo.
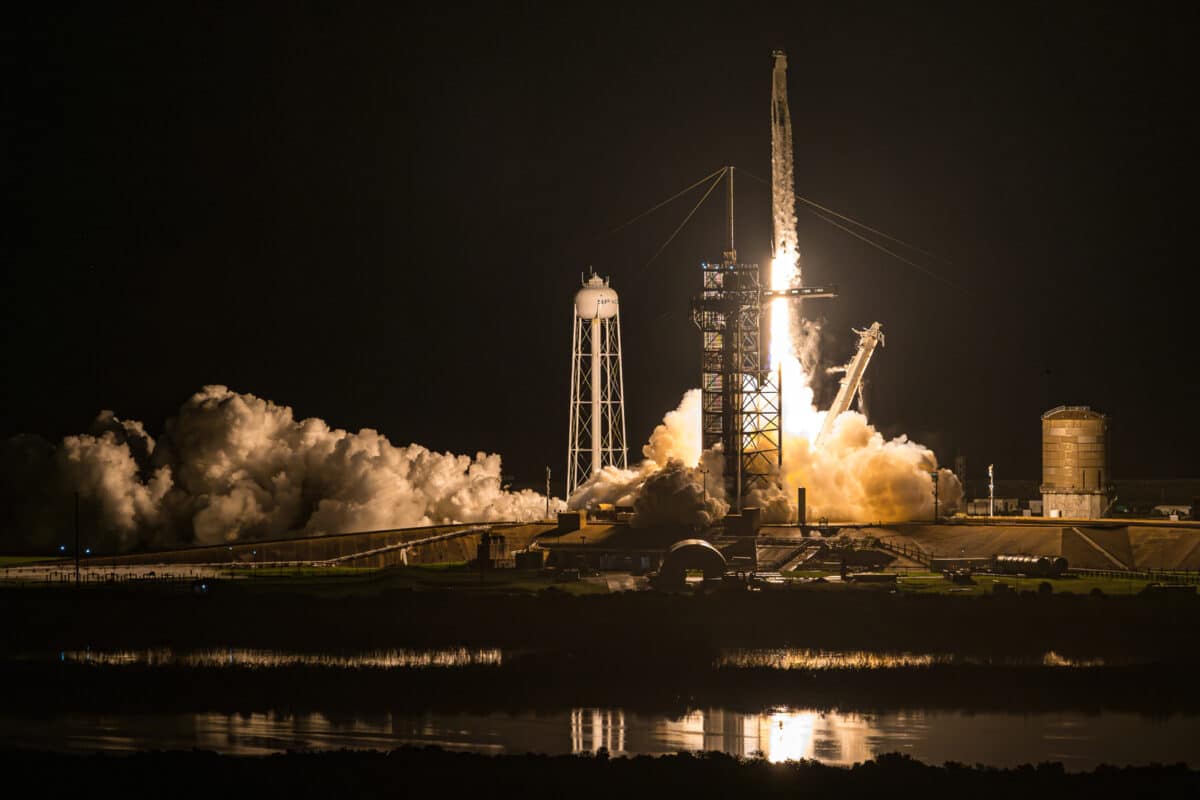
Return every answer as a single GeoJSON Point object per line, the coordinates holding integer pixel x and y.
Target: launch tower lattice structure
{"type": "Point", "coordinates": [739, 391]}
{"type": "Point", "coordinates": [596, 438]}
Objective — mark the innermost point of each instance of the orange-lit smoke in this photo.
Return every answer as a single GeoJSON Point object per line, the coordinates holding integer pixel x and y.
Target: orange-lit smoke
{"type": "Point", "coordinates": [854, 474]}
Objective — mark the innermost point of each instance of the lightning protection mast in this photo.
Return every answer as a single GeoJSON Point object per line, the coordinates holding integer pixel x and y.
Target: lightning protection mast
{"type": "Point", "coordinates": [596, 438]}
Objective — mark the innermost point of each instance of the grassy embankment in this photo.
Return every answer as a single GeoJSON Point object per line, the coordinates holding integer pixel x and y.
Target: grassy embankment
{"type": "Point", "coordinates": [934, 583]}
{"type": "Point", "coordinates": [341, 580]}
{"type": "Point", "coordinates": [21, 561]}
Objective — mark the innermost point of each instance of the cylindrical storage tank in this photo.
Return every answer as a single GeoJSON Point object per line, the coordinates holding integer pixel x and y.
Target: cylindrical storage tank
{"type": "Point", "coordinates": [1074, 450]}
{"type": "Point", "coordinates": [1040, 566]}
{"type": "Point", "coordinates": [596, 300]}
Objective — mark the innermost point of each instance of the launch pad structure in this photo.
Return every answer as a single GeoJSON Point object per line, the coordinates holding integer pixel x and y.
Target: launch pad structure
{"type": "Point", "coordinates": [741, 404]}
{"type": "Point", "coordinates": [740, 399]}
{"type": "Point", "coordinates": [741, 394]}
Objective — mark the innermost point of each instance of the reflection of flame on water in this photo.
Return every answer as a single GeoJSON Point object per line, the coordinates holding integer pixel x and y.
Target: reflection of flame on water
{"type": "Point", "coordinates": [593, 728]}
{"type": "Point", "coordinates": [789, 735]}
{"type": "Point", "coordinates": [777, 735]}
{"type": "Point", "coordinates": [242, 657]}
{"type": "Point", "coordinates": [791, 658]}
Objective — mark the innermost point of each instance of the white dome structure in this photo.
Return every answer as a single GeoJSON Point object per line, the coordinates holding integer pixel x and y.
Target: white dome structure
{"type": "Point", "coordinates": [596, 300]}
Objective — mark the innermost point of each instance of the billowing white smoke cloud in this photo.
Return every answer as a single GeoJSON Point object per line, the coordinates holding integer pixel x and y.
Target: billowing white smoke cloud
{"type": "Point", "coordinates": [673, 495]}
{"type": "Point", "coordinates": [678, 435]}
{"type": "Point", "coordinates": [670, 485]}
{"type": "Point", "coordinates": [233, 466]}
{"type": "Point", "coordinates": [854, 476]}
{"type": "Point", "coordinates": [102, 466]}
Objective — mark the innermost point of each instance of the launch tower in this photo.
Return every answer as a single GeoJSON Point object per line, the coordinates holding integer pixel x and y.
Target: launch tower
{"type": "Point", "coordinates": [740, 390]}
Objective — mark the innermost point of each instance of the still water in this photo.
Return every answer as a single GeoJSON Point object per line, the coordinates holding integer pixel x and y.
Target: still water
{"type": "Point", "coordinates": [1079, 741]}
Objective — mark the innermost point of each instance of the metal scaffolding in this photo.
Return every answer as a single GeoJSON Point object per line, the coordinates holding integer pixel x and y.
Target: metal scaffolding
{"type": "Point", "coordinates": [740, 393]}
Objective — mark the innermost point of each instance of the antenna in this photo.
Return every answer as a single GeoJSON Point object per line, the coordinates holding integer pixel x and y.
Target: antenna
{"type": "Point", "coordinates": [731, 253]}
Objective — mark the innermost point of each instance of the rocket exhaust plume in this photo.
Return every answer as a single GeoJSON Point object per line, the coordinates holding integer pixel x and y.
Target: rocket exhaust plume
{"type": "Point", "coordinates": [233, 466]}
{"type": "Point", "coordinates": [852, 474]}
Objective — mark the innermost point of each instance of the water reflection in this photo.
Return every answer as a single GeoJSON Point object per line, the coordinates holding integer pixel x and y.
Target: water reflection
{"type": "Point", "coordinates": [777, 735]}
{"type": "Point", "coordinates": [243, 657]}
{"type": "Point", "coordinates": [1078, 740]}
{"type": "Point", "coordinates": [594, 728]}
{"type": "Point", "coordinates": [796, 658]}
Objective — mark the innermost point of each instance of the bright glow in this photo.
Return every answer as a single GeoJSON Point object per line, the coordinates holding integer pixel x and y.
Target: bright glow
{"type": "Point", "coordinates": [799, 416]}
{"type": "Point", "coordinates": [783, 272]}
{"type": "Point", "coordinates": [788, 735]}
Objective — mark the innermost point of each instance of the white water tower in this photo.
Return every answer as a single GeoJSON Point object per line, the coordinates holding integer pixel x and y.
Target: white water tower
{"type": "Point", "coordinates": [597, 435]}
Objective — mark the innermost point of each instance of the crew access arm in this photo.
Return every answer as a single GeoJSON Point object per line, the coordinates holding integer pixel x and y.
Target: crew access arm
{"type": "Point", "coordinates": [868, 340]}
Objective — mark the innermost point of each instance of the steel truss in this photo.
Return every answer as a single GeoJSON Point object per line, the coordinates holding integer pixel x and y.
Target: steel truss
{"type": "Point", "coordinates": [739, 392]}
{"type": "Point", "coordinates": [585, 426]}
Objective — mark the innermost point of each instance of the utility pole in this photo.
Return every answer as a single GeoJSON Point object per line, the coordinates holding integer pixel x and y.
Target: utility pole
{"type": "Point", "coordinates": [76, 539]}
{"type": "Point", "coordinates": [934, 475]}
{"type": "Point", "coordinates": [547, 493]}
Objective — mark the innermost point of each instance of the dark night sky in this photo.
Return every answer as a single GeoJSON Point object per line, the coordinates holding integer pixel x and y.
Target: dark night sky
{"type": "Point", "coordinates": [379, 219]}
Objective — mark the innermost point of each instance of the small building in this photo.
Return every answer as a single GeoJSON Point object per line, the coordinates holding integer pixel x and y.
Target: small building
{"type": "Point", "coordinates": [1001, 506]}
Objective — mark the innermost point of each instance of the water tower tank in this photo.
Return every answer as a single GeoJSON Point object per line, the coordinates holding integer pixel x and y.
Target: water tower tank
{"type": "Point", "coordinates": [596, 300]}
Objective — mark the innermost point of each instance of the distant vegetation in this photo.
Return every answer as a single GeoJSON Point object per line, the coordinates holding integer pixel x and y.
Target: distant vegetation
{"type": "Point", "coordinates": [408, 771]}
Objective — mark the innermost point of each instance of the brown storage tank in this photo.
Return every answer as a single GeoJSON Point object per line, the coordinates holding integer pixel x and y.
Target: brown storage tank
{"type": "Point", "coordinates": [1075, 475]}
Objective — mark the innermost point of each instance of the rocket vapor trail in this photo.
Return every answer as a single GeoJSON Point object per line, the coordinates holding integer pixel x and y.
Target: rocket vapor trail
{"type": "Point", "coordinates": [232, 467]}
{"type": "Point", "coordinates": [854, 475]}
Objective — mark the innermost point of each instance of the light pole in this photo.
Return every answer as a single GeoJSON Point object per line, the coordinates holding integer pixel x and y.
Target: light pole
{"type": "Point", "coordinates": [991, 491]}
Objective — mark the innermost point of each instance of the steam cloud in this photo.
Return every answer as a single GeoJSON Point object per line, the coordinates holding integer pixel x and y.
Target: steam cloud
{"type": "Point", "coordinates": [669, 486]}
{"type": "Point", "coordinates": [234, 466]}
{"type": "Point", "coordinates": [855, 475]}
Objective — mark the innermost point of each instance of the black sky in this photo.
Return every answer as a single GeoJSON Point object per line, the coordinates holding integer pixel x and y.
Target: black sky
{"type": "Point", "coordinates": [379, 218]}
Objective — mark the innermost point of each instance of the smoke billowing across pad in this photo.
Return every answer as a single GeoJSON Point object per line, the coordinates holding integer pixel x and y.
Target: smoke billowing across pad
{"type": "Point", "coordinates": [853, 475]}
{"type": "Point", "coordinates": [234, 466]}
